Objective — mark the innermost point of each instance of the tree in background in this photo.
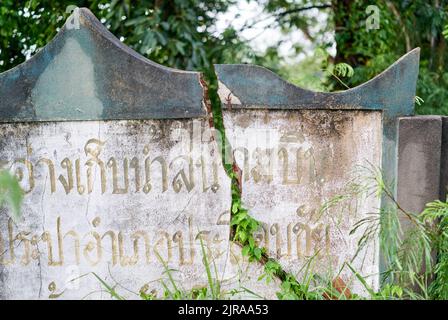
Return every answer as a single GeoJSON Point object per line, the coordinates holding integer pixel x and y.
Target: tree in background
{"type": "Point", "coordinates": [175, 33]}
{"type": "Point", "coordinates": [182, 34]}
{"type": "Point", "coordinates": [403, 25]}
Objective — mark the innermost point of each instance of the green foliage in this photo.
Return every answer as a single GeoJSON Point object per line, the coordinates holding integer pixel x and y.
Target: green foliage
{"type": "Point", "coordinates": [344, 70]}
{"type": "Point", "coordinates": [403, 25]}
{"type": "Point", "coordinates": [387, 292]}
{"type": "Point", "coordinates": [212, 282]}
{"type": "Point", "coordinates": [310, 287]}
{"type": "Point", "coordinates": [435, 217]}
{"type": "Point", "coordinates": [293, 17]}
{"type": "Point", "coordinates": [445, 31]}
{"type": "Point", "coordinates": [432, 87]}
{"type": "Point", "coordinates": [111, 290]}
{"type": "Point", "coordinates": [308, 73]}
{"type": "Point", "coordinates": [178, 33]}
{"type": "Point", "coordinates": [316, 72]}
{"type": "Point", "coordinates": [407, 253]}
{"type": "Point", "coordinates": [246, 226]}
{"type": "Point", "coordinates": [11, 194]}
{"type": "Point", "coordinates": [390, 292]}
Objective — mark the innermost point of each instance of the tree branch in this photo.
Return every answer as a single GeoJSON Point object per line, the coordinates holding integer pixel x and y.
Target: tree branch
{"type": "Point", "coordinates": [280, 15]}
{"type": "Point", "coordinates": [402, 25]}
{"type": "Point", "coordinates": [322, 6]}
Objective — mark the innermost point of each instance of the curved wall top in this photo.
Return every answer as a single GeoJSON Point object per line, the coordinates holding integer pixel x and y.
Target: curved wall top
{"type": "Point", "coordinates": [247, 89]}
{"type": "Point", "coordinates": [87, 67]}
{"type": "Point", "coordinates": [251, 86]}
{"type": "Point", "coordinates": [392, 92]}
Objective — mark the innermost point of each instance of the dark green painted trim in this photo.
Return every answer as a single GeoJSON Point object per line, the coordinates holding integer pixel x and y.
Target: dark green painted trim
{"type": "Point", "coordinates": [125, 84]}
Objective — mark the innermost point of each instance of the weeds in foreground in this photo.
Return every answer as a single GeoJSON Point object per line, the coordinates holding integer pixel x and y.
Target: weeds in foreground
{"type": "Point", "coordinates": [435, 217]}
{"type": "Point", "coordinates": [173, 290]}
{"type": "Point", "coordinates": [413, 246]}
{"type": "Point", "coordinates": [416, 259]}
{"type": "Point", "coordinates": [412, 269]}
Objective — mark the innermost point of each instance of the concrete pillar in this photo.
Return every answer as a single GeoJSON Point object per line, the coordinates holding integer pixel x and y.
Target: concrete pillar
{"type": "Point", "coordinates": [444, 160]}
{"type": "Point", "coordinates": [419, 155]}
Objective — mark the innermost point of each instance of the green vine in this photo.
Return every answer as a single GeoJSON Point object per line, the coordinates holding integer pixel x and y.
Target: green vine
{"type": "Point", "coordinates": [243, 229]}
{"type": "Point", "coordinates": [243, 226]}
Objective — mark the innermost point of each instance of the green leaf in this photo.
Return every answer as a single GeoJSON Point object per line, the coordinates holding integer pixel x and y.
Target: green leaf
{"type": "Point", "coordinates": [245, 250]}
{"type": "Point", "coordinates": [254, 224]}
{"type": "Point", "coordinates": [362, 280]}
{"type": "Point", "coordinates": [180, 47]}
{"type": "Point", "coordinates": [242, 236]}
{"type": "Point", "coordinates": [11, 193]}
{"type": "Point", "coordinates": [162, 39]}
{"type": "Point", "coordinates": [257, 253]}
{"type": "Point", "coordinates": [251, 242]}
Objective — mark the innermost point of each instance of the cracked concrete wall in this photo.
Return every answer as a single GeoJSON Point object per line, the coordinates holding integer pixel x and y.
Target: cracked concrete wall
{"type": "Point", "coordinates": [121, 170]}
{"type": "Point", "coordinates": [419, 163]}
{"type": "Point", "coordinates": [302, 156]}
{"type": "Point", "coordinates": [296, 170]}
{"type": "Point", "coordinates": [108, 197]}
{"type": "Point", "coordinates": [120, 165]}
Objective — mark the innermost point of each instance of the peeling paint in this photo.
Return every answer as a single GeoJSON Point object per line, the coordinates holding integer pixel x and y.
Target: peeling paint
{"type": "Point", "coordinates": [227, 96]}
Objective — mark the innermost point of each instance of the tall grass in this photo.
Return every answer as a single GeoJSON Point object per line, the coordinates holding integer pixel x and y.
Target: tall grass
{"type": "Point", "coordinates": [415, 257]}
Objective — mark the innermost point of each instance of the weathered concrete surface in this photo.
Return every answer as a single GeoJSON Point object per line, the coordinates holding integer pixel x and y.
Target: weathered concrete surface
{"type": "Point", "coordinates": [88, 74]}
{"type": "Point", "coordinates": [294, 164]}
{"type": "Point", "coordinates": [241, 279]}
{"type": "Point", "coordinates": [444, 161]}
{"type": "Point", "coordinates": [252, 87]}
{"type": "Point", "coordinates": [419, 154]}
{"type": "Point", "coordinates": [108, 197]}
{"type": "Point", "coordinates": [392, 92]}
{"type": "Point", "coordinates": [114, 224]}
{"type": "Point", "coordinates": [253, 97]}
